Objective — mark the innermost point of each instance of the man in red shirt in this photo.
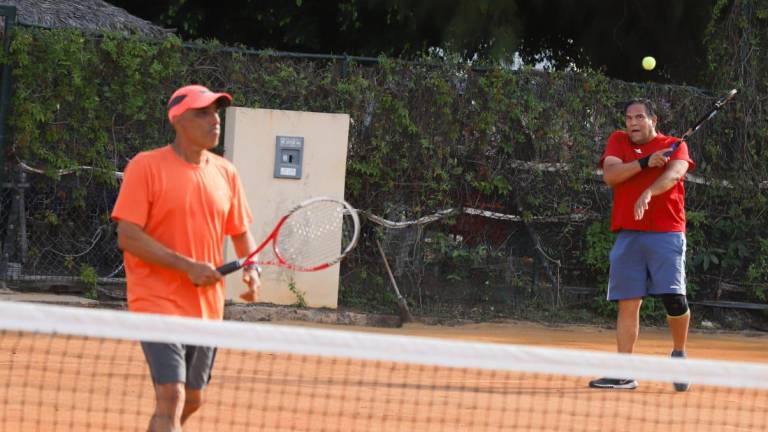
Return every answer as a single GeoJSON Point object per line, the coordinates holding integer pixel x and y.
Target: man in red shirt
{"type": "Point", "coordinates": [645, 169]}
{"type": "Point", "coordinates": [175, 207]}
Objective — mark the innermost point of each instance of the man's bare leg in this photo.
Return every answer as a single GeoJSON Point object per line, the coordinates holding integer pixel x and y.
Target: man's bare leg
{"type": "Point", "coordinates": [678, 326]}
{"type": "Point", "coordinates": [192, 403]}
{"type": "Point", "coordinates": [628, 325]}
{"type": "Point", "coordinates": [169, 405]}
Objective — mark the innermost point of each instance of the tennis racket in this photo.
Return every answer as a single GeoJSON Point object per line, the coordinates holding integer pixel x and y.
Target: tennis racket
{"type": "Point", "coordinates": [314, 235]}
{"type": "Point", "coordinates": [711, 113]}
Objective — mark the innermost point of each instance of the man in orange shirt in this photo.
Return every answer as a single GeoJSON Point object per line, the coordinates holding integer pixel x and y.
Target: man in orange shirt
{"type": "Point", "coordinates": [176, 205]}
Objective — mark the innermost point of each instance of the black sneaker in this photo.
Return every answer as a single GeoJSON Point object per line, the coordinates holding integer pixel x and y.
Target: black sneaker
{"type": "Point", "coordinates": [681, 387]}
{"type": "Point", "coordinates": [614, 383]}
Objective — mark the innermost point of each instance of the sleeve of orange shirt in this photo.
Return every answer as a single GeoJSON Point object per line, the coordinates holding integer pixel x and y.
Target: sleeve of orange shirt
{"type": "Point", "coordinates": [239, 216]}
{"type": "Point", "coordinates": [133, 201]}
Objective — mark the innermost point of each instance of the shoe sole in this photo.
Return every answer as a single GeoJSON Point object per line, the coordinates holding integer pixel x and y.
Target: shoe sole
{"type": "Point", "coordinates": [614, 387]}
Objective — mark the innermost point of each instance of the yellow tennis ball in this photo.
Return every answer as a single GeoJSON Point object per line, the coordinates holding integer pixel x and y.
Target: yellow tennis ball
{"type": "Point", "coordinates": [649, 63]}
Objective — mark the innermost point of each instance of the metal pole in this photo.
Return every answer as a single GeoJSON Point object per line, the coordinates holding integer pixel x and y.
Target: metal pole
{"type": "Point", "coordinates": [402, 304]}
{"type": "Point", "coordinates": [9, 12]}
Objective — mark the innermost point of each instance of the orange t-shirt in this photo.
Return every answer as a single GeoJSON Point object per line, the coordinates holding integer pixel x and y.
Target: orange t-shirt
{"type": "Point", "coordinates": [189, 209]}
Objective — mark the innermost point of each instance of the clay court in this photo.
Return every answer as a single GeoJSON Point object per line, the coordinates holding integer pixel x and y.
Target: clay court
{"type": "Point", "coordinates": [74, 384]}
{"type": "Point", "coordinates": [720, 345]}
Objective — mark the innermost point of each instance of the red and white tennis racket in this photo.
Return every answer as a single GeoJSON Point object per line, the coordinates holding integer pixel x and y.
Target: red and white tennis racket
{"type": "Point", "coordinates": [314, 235]}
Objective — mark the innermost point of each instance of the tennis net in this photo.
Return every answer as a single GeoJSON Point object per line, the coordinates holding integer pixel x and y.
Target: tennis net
{"type": "Point", "coordinates": [73, 369]}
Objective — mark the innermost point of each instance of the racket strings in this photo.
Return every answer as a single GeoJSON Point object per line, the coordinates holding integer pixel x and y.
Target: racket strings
{"type": "Point", "coordinates": [316, 234]}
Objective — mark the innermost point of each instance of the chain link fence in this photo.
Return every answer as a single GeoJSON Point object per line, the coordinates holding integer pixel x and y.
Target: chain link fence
{"type": "Point", "coordinates": [57, 234]}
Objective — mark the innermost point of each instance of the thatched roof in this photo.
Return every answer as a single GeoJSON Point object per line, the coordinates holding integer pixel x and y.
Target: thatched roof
{"type": "Point", "coordinates": [92, 15]}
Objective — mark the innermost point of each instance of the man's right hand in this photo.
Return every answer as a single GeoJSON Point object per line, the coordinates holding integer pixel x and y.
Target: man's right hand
{"type": "Point", "coordinates": [203, 274]}
{"type": "Point", "coordinates": [659, 159]}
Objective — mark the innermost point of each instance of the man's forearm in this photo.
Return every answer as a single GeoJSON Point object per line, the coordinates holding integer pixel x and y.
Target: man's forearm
{"type": "Point", "coordinates": [664, 183]}
{"type": "Point", "coordinates": [617, 173]}
{"type": "Point", "coordinates": [673, 174]}
{"type": "Point", "coordinates": [244, 244]}
{"type": "Point", "coordinates": [135, 241]}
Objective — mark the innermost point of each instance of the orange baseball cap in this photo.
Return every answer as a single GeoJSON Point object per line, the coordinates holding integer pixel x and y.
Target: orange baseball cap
{"type": "Point", "coordinates": [194, 96]}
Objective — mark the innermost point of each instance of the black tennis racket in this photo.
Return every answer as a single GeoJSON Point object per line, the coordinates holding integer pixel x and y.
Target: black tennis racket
{"type": "Point", "coordinates": [711, 113]}
{"type": "Point", "coordinates": [314, 235]}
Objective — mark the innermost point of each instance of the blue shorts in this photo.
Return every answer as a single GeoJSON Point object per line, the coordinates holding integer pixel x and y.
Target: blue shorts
{"type": "Point", "coordinates": [177, 363]}
{"type": "Point", "coordinates": [647, 263]}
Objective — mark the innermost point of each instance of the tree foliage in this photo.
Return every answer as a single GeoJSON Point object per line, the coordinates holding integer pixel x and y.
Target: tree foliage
{"type": "Point", "coordinates": [425, 136]}
{"type": "Point", "coordinates": [612, 36]}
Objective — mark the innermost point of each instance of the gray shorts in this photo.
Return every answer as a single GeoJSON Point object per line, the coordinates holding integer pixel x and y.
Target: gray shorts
{"type": "Point", "coordinates": [647, 263]}
{"type": "Point", "coordinates": [172, 363]}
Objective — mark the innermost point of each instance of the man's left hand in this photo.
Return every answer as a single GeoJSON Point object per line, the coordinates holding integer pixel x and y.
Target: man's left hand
{"type": "Point", "coordinates": [642, 204]}
{"type": "Point", "coordinates": [252, 282]}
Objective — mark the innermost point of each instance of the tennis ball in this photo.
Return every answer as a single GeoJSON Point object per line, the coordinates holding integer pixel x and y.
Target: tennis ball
{"type": "Point", "coordinates": [649, 63]}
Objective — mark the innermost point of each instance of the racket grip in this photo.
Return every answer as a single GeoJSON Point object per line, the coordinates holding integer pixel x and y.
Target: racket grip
{"type": "Point", "coordinates": [229, 267]}
{"type": "Point", "coordinates": [674, 147]}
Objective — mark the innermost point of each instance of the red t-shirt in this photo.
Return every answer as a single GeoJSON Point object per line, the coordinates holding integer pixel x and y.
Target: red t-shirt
{"type": "Point", "coordinates": [666, 212]}
{"type": "Point", "coordinates": [189, 209]}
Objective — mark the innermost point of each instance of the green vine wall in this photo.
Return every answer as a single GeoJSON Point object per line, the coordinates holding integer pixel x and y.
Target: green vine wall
{"type": "Point", "coordinates": [427, 136]}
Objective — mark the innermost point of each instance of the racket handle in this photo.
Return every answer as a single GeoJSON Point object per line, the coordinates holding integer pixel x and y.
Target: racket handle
{"type": "Point", "coordinates": [674, 147]}
{"type": "Point", "coordinates": [229, 267]}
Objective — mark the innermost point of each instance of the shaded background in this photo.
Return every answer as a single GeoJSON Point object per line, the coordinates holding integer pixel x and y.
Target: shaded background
{"type": "Point", "coordinates": [611, 36]}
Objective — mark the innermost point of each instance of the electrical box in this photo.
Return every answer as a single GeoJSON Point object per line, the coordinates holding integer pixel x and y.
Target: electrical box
{"type": "Point", "coordinates": [275, 182]}
{"type": "Point", "coordinates": [289, 153]}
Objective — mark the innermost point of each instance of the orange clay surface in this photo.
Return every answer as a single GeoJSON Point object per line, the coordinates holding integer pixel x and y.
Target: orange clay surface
{"type": "Point", "coordinates": [74, 384]}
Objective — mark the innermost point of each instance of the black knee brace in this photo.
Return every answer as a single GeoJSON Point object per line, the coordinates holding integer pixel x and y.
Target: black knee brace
{"type": "Point", "coordinates": [676, 304]}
